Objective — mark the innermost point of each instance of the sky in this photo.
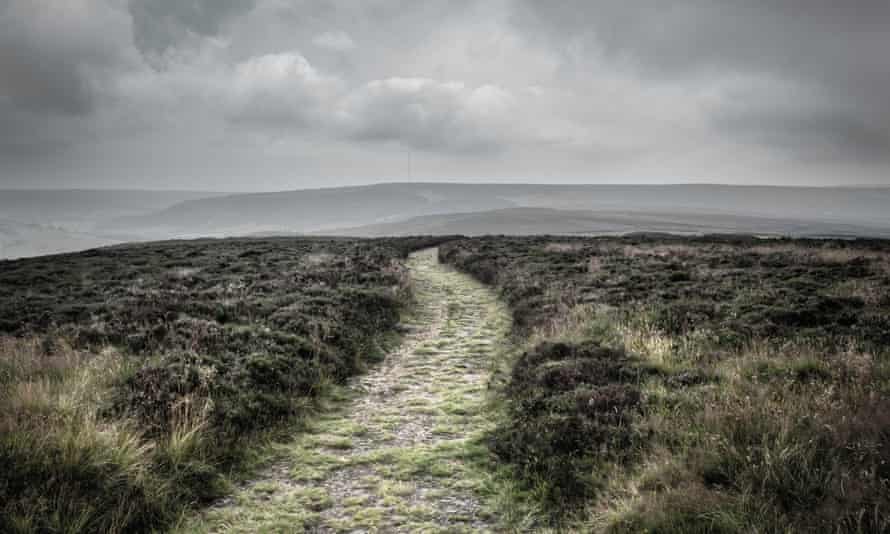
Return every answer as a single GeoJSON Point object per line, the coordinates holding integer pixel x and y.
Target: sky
{"type": "Point", "coordinates": [247, 95]}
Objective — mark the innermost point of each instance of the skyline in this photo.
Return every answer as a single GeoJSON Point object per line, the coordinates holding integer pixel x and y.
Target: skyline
{"type": "Point", "coordinates": [444, 182]}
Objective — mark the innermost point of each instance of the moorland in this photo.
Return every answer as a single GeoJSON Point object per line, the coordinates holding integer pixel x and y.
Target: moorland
{"type": "Point", "coordinates": [713, 384]}
{"type": "Point", "coordinates": [611, 384]}
{"type": "Point", "coordinates": [134, 380]}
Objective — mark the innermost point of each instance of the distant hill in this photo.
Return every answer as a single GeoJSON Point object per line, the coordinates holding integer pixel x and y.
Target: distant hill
{"type": "Point", "coordinates": [327, 210]}
{"type": "Point", "coordinates": [308, 210]}
{"type": "Point", "coordinates": [37, 222]}
{"type": "Point", "coordinates": [531, 221]}
{"type": "Point", "coordinates": [43, 222]}
{"type": "Point", "coordinates": [19, 240]}
{"type": "Point", "coordinates": [85, 207]}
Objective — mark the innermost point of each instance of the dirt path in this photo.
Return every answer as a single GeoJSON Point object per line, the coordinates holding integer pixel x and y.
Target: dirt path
{"type": "Point", "coordinates": [401, 452]}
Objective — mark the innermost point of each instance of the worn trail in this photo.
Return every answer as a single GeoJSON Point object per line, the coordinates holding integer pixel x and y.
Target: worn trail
{"type": "Point", "coordinates": [401, 452]}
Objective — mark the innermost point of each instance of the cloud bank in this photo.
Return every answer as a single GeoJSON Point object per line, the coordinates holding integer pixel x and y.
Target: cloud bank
{"type": "Point", "coordinates": [275, 94]}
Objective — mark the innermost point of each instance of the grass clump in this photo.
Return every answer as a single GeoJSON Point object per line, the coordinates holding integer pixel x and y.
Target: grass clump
{"type": "Point", "coordinates": [65, 468]}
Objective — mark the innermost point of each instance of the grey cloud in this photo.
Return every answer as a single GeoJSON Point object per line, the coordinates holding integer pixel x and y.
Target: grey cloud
{"type": "Point", "coordinates": [808, 130]}
{"type": "Point", "coordinates": [161, 24]}
{"type": "Point", "coordinates": [25, 136]}
{"type": "Point", "coordinates": [338, 41]}
{"type": "Point", "coordinates": [281, 91]}
{"type": "Point", "coordinates": [284, 93]}
{"type": "Point", "coordinates": [56, 58]}
{"type": "Point", "coordinates": [595, 89]}
{"type": "Point", "coordinates": [837, 51]}
{"type": "Point", "coordinates": [674, 39]}
{"type": "Point", "coordinates": [428, 114]}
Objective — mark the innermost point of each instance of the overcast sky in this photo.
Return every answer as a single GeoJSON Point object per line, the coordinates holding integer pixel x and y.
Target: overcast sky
{"type": "Point", "coordinates": [284, 94]}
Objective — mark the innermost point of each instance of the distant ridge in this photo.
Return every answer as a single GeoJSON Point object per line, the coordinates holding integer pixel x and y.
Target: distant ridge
{"type": "Point", "coordinates": [39, 221]}
{"type": "Point", "coordinates": [87, 206]}
{"type": "Point", "coordinates": [48, 221]}
{"type": "Point", "coordinates": [536, 221]}
{"type": "Point", "coordinates": [314, 210]}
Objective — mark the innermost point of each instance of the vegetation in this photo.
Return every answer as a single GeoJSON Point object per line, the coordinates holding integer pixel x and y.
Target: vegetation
{"type": "Point", "coordinates": [400, 448]}
{"type": "Point", "coordinates": [663, 384]}
{"type": "Point", "coordinates": [716, 384]}
{"type": "Point", "coordinates": [133, 379]}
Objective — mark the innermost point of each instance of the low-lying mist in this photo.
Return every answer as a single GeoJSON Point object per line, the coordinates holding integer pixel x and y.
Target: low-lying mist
{"type": "Point", "coordinates": [45, 222]}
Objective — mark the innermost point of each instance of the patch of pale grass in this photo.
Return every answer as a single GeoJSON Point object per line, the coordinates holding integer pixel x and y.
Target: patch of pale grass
{"type": "Point", "coordinates": [25, 358]}
{"type": "Point", "coordinates": [189, 419]}
{"type": "Point", "coordinates": [183, 273]}
{"type": "Point", "coordinates": [647, 342]}
{"type": "Point", "coordinates": [316, 259]}
{"type": "Point", "coordinates": [642, 338]}
{"type": "Point", "coordinates": [821, 254]}
{"type": "Point", "coordinates": [563, 247]}
{"type": "Point", "coordinates": [869, 291]}
{"type": "Point", "coordinates": [575, 323]}
{"type": "Point", "coordinates": [52, 388]}
{"type": "Point", "coordinates": [50, 414]}
{"type": "Point", "coordinates": [658, 250]}
{"type": "Point", "coordinates": [627, 488]}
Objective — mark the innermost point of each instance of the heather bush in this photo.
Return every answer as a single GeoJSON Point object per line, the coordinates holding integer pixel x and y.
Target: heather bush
{"type": "Point", "coordinates": [135, 379]}
{"type": "Point", "coordinates": [711, 384]}
{"type": "Point", "coordinates": [569, 417]}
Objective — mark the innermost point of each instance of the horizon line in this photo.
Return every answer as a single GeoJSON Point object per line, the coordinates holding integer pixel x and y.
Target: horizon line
{"type": "Point", "coordinates": [385, 183]}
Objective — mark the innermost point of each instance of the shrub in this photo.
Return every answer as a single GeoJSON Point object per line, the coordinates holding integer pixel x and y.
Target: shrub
{"type": "Point", "coordinates": [571, 411]}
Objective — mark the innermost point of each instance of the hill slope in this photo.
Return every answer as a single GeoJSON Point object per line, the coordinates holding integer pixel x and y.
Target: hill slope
{"type": "Point", "coordinates": [537, 221]}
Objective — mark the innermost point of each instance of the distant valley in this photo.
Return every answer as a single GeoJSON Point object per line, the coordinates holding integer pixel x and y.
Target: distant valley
{"type": "Point", "coordinates": [38, 222]}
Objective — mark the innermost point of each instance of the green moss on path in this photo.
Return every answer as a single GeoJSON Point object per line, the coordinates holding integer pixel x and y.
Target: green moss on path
{"type": "Point", "coordinates": [402, 450]}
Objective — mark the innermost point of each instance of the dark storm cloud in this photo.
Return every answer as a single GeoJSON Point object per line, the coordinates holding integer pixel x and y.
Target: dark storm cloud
{"type": "Point", "coordinates": [680, 37]}
{"type": "Point", "coordinates": [161, 24]}
{"type": "Point", "coordinates": [817, 129]}
{"type": "Point", "coordinates": [54, 57]}
{"type": "Point", "coordinates": [819, 135]}
{"type": "Point", "coordinates": [835, 52]}
{"type": "Point", "coordinates": [39, 78]}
